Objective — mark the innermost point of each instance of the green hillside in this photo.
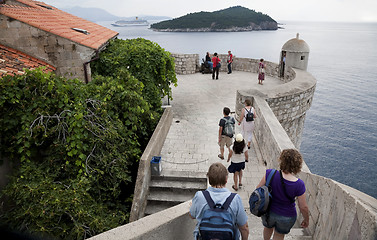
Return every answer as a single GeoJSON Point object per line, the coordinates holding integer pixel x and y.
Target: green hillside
{"type": "Point", "coordinates": [233, 17]}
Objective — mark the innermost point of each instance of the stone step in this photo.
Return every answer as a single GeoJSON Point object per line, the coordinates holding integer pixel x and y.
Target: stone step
{"type": "Point", "coordinates": [171, 196]}
{"type": "Point", "coordinates": [189, 184]}
{"type": "Point", "coordinates": [256, 233]}
{"type": "Point", "coordinates": [156, 206]}
{"type": "Point", "coordinates": [181, 176]}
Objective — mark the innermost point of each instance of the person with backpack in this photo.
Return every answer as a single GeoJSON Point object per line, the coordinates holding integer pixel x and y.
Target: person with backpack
{"type": "Point", "coordinates": [226, 132]}
{"type": "Point", "coordinates": [219, 213]}
{"type": "Point", "coordinates": [247, 121]}
{"type": "Point", "coordinates": [285, 187]}
{"type": "Point", "coordinates": [239, 156]}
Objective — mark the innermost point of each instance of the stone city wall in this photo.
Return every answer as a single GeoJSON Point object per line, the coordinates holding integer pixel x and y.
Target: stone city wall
{"type": "Point", "coordinates": [290, 111]}
{"type": "Point", "coordinates": [190, 64]}
{"type": "Point", "coordinates": [272, 69]}
{"type": "Point", "coordinates": [68, 57]}
{"type": "Point", "coordinates": [336, 210]}
{"type": "Point", "coordinates": [288, 102]}
{"type": "Point", "coordinates": [186, 63]}
{"type": "Point", "coordinates": [153, 148]}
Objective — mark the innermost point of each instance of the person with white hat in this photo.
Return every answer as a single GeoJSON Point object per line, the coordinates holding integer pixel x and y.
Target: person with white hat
{"type": "Point", "coordinates": [239, 156]}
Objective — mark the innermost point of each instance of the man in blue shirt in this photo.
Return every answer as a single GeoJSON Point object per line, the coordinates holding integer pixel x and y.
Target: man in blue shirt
{"type": "Point", "coordinates": [218, 176]}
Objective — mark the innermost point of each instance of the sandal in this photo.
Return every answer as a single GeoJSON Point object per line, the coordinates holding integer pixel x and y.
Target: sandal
{"type": "Point", "coordinates": [236, 189]}
{"type": "Point", "coordinates": [240, 185]}
{"type": "Point", "coordinates": [221, 157]}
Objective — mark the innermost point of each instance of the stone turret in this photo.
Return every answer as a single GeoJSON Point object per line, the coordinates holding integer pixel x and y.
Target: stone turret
{"type": "Point", "coordinates": [294, 53]}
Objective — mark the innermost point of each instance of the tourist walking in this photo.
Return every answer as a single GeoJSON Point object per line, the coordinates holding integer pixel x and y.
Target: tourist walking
{"type": "Point", "coordinates": [247, 121]}
{"type": "Point", "coordinates": [226, 132]}
{"type": "Point", "coordinates": [216, 66]}
{"type": "Point", "coordinates": [208, 61]}
{"type": "Point", "coordinates": [285, 188]}
{"type": "Point", "coordinates": [229, 61]}
{"type": "Point", "coordinates": [261, 70]}
{"type": "Point", "coordinates": [218, 176]}
{"type": "Point", "coordinates": [238, 158]}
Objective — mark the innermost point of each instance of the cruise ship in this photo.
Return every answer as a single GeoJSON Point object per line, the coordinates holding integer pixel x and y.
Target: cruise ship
{"type": "Point", "coordinates": [126, 23]}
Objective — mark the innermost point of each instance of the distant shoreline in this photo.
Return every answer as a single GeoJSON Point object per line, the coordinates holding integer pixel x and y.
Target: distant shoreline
{"type": "Point", "coordinates": [233, 29]}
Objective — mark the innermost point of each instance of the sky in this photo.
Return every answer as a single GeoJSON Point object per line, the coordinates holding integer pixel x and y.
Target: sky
{"type": "Point", "coordinates": [280, 10]}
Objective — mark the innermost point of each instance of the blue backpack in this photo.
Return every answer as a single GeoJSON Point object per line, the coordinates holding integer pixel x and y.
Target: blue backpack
{"type": "Point", "coordinates": [217, 222]}
{"type": "Point", "coordinates": [260, 198]}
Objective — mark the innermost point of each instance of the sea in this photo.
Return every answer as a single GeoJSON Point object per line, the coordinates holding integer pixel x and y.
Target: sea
{"type": "Point", "coordinates": [340, 133]}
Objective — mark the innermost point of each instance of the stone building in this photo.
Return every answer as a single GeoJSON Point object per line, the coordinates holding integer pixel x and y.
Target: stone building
{"type": "Point", "coordinates": [14, 62]}
{"type": "Point", "coordinates": [66, 42]}
{"type": "Point", "coordinates": [294, 53]}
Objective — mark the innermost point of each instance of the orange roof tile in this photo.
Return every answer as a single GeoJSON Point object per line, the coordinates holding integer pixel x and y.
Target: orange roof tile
{"type": "Point", "coordinates": [13, 62]}
{"type": "Point", "coordinates": [58, 22]}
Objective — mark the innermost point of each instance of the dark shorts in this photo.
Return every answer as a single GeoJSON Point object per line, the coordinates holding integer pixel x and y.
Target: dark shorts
{"type": "Point", "coordinates": [282, 224]}
{"type": "Point", "coordinates": [236, 167]}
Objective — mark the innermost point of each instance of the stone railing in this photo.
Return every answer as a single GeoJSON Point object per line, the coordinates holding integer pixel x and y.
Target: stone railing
{"type": "Point", "coordinates": [186, 63]}
{"type": "Point", "coordinates": [144, 173]}
{"type": "Point", "coordinates": [172, 223]}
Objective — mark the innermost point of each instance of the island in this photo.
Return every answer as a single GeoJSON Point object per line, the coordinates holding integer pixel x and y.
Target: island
{"type": "Point", "coordinates": [233, 19]}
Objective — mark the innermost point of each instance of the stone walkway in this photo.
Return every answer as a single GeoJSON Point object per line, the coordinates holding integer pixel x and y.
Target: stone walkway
{"type": "Point", "coordinates": [191, 144]}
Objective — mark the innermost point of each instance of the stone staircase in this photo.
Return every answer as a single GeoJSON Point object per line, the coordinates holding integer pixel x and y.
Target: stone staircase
{"type": "Point", "coordinates": [172, 188]}
{"type": "Point", "coordinates": [256, 230]}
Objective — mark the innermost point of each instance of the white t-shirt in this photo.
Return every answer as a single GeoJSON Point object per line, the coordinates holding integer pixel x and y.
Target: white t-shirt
{"type": "Point", "coordinates": [238, 158]}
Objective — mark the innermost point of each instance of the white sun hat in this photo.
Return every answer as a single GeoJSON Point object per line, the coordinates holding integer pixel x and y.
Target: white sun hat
{"type": "Point", "coordinates": [239, 137]}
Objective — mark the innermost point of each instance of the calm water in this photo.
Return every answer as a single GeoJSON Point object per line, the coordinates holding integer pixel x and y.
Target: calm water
{"type": "Point", "coordinates": [340, 136]}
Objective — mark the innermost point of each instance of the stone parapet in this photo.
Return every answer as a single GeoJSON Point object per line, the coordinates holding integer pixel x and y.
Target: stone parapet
{"type": "Point", "coordinates": [289, 103]}
{"type": "Point", "coordinates": [172, 223]}
{"type": "Point", "coordinates": [271, 69]}
{"type": "Point", "coordinates": [186, 63]}
{"type": "Point", "coordinates": [338, 211]}
{"type": "Point", "coordinates": [153, 148]}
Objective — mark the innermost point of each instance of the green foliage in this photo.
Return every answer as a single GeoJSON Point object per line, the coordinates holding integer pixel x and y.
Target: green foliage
{"type": "Point", "coordinates": [145, 60]}
{"type": "Point", "coordinates": [64, 210]}
{"type": "Point", "coordinates": [77, 144]}
{"type": "Point", "coordinates": [223, 19]}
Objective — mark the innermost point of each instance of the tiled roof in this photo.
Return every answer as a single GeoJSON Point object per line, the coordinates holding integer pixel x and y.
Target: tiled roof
{"type": "Point", "coordinates": [13, 62]}
{"type": "Point", "coordinates": [58, 22]}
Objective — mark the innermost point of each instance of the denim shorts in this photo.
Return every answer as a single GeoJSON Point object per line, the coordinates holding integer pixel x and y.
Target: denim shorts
{"type": "Point", "coordinates": [282, 224]}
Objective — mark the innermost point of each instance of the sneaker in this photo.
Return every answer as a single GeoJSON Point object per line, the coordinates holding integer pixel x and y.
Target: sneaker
{"type": "Point", "coordinates": [221, 157]}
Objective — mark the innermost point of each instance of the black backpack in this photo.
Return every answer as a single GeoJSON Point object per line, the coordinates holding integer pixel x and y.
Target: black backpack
{"type": "Point", "coordinates": [217, 222]}
{"type": "Point", "coordinates": [249, 115]}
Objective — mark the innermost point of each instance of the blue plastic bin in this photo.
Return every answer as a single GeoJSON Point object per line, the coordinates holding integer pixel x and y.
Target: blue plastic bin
{"type": "Point", "coordinates": [156, 165]}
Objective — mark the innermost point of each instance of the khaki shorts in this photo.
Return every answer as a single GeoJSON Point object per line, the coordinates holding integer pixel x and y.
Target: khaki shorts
{"type": "Point", "coordinates": [225, 140]}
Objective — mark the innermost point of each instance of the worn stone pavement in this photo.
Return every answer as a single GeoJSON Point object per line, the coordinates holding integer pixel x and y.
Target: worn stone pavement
{"type": "Point", "coordinates": [191, 144]}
